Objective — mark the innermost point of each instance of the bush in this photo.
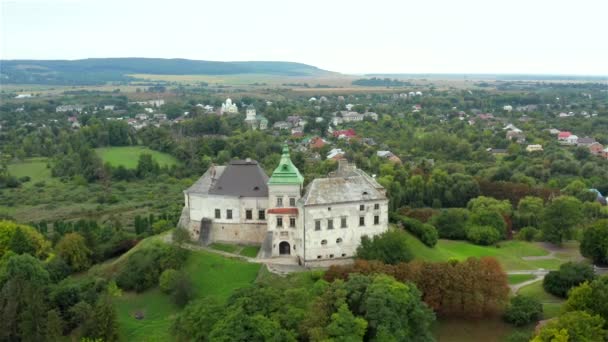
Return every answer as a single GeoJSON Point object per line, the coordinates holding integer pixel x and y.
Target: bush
{"type": "Point", "coordinates": [523, 310]}
{"type": "Point", "coordinates": [528, 234]}
{"type": "Point", "coordinates": [483, 235]}
{"type": "Point", "coordinates": [451, 223]}
{"type": "Point", "coordinates": [424, 231]}
{"type": "Point", "coordinates": [166, 282]}
{"type": "Point", "coordinates": [389, 247]}
{"type": "Point", "coordinates": [568, 276]}
{"type": "Point", "coordinates": [594, 244]}
{"type": "Point", "coordinates": [144, 266]}
{"type": "Point", "coordinates": [488, 217]}
{"type": "Point", "coordinates": [181, 235]}
{"type": "Point", "coordinates": [161, 226]}
{"type": "Point", "coordinates": [183, 290]}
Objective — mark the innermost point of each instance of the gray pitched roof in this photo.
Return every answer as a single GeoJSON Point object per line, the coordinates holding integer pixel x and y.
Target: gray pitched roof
{"type": "Point", "coordinates": [356, 186]}
{"type": "Point", "coordinates": [241, 178]}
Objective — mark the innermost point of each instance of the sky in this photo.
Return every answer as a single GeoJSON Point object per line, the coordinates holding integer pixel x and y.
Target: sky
{"type": "Point", "coordinates": [356, 37]}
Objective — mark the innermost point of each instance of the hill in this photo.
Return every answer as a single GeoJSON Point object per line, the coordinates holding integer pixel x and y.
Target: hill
{"type": "Point", "coordinates": [95, 71]}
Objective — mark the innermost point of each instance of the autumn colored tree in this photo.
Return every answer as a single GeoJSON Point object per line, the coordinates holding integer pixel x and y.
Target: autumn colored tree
{"type": "Point", "coordinates": [73, 249]}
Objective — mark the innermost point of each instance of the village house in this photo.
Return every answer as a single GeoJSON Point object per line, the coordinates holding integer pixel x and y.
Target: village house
{"type": "Point", "coordinates": [69, 108]}
{"type": "Point", "coordinates": [335, 154]}
{"type": "Point", "coordinates": [585, 142]}
{"type": "Point", "coordinates": [317, 143]}
{"type": "Point", "coordinates": [596, 148]}
{"type": "Point", "coordinates": [389, 155]}
{"type": "Point", "coordinates": [570, 140]}
{"type": "Point", "coordinates": [344, 134]}
{"type": "Point", "coordinates": [534, 148]}
{"type": "Point", "coordinates": [563, 135]}
{"type": "Point", "coordinates": [517, 136]}
{"type": "Point", "coordinates": [281, 125]}
{"type": "Point", "coordinates": [255, 121]}
{"type": "Point", "coordinates": [238, 203]}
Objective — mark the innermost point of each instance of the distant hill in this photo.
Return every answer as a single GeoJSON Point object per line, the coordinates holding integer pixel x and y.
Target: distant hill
{"type": "Point", "coordinates": [95, 71]}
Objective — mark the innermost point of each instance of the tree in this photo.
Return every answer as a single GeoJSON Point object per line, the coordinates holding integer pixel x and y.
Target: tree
{"type": "Point", "coordinates": [54, 326]}
{"type": "Point", "coordinates": [21, 244]}
{"type": "Point", "coordinates": [568, 276]}
{"type": "Point", "coordinates": [58, 269]}
{"type": "Point", "coordinates": [529, 210]}
{"type": "Point", "coordinates": [181, 236]}
{"type": "Point", "coordinates": [103, 324]}
{"type": "Point", "coordinates": [396, 309]}
{"type": "Point", "coordinates": [523, 310]}
{"type": "Point", "coordinates": [573, 326]}
{"type": "Point", "coordinates": [73, 249]}
{"type": "Point", "coordinates": [167, 279]}
{"type": "Point", "coordinates": [560, 217]}
{"type": "Point", "coordinates": [9, 228]}
{"type": "Point", "coordinates": [345, 327]}
{"type": "Point", "coordinates": [161, 226]}
{"type": "Point", "coordinates": [183, 290]}
{"type": "Point", "coordinates": [451, 223]}
{"type": "Point", "coordinates": [590, 297]}
{"type": "Point", "coordinates": [238, 326]}
{"type": "Point", "coordinates": [146, 166]}
{"type": "Point", "coordinates": [483, 235]}
{"type": "Point", "coordinates": [390, 247]}
{"type": "Point", "coordinates": [197, 319]}
{"type": "Point", "coordinates": [594, 244]}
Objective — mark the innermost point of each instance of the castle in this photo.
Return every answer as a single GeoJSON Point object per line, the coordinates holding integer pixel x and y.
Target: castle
{"type": "Point", "coordinates": [238, 203]}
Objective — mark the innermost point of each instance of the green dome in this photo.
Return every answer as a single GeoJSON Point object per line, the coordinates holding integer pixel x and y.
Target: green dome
{"type": "Point", "coordinates": [286, 172]}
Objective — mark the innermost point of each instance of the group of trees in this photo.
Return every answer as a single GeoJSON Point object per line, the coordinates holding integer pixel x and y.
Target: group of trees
{"type": "Point", "coordinates": [470, 288]}
{"type": "Point", "coordinates": [364, 307]}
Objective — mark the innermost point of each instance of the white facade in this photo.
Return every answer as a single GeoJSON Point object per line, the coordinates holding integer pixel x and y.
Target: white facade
{"type": "Point", "coordinates": [229, 107]}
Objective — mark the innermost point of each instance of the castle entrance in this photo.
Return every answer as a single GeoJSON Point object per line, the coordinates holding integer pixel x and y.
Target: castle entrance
{"type": "Point", "coordinates": [284, 248]}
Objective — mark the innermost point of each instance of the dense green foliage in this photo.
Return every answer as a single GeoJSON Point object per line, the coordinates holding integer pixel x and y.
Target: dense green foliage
{"type": "Point", "coordinates": [594, 244]}
{"type": "Point", "coordinates": [523, 310]}
{"type": "Point", "coordinates": [568, 276]}
{"type": "Point", "coordinates": [389, 247]}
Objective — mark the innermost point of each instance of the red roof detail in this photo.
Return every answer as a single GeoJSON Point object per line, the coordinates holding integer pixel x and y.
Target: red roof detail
{"type": "Point", "coordinates": [564, 134]}
{"type": "Point", "coordinates": [347, 133]}
{"type": "Point", "coordinates": [285, 211]}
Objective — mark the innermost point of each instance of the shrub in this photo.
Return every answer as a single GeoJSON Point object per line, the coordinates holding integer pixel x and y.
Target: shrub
{"type": "Point", "coordinates": [483, 235]}
{"type": "Point", "coordinates": [523, 310]}
{"type": "Point", "coordinates": [568, 276]}
{"type": "Point", "coordinates": [183, 290]}
{"type": "Point", "coordinates": [166, 282]}
{"type": "Point", "coordinates": [181, 235]}
{"type": "Point", "coordinates": [528, 234]}
{"type": "Point", "coordinates": [424, 231]}
{"type": "Point", "coordinates": [389, 247]}
{"type": "Point", "coordinates": [488, 217]}
{"type": "Point", "coordinates": [451, 223]}
{"type": "Point", "coordinates": [161, 226]}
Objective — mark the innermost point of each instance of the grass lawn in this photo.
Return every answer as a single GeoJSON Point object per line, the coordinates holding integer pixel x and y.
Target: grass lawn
{"type": "Point", "coordinates": [486, 330]}
{"type": "Point", "coordinates": [35, 168]}
{"type": "Point", "coordinates": [250, 251]}
{"type": "Point", "coordinates": [551, 304]}
{"type": "Point", "coordinates": [213, 276]}
{"type": "Point", "coordinates": [128, 156]}
{"type": "Point", "coordinates": [519, 278]}
{"type": "Point", "coordinates": [224, 247]}
{"type": "Point", "coordinates": [509, 254]}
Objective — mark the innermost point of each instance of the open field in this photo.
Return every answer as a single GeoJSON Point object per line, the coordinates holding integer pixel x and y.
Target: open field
{"type": "Point", "coordinates": [212, 276]}
{"type": "Point", "coordinates": [35, 168]}
{"type": "Point", "coordinates": [488, 329]}
{"type": "Point", "coordinates": [519, 278]}
{"type": "Point", "coordinates": [551, 304]}
{"type": "Point", "coordinates": [128, 156]}
{"type": "Point", "coordinates": [509, 254]}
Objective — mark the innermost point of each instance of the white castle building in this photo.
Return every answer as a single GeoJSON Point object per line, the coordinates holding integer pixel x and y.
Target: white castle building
{"type": "Point", "coordinates": [229, 107]}
{"type": "Point", "coordinates": [255, 121]}
{"type": "Point", "coordinates": [238, 203]}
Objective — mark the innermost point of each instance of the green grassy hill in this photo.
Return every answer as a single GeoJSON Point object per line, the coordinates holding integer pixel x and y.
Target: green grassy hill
{"type": "Point", "coordinates": [128, 156]}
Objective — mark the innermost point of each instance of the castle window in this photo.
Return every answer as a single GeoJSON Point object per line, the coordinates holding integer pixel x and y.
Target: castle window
{"type": "Point", "coordinates": [339, 240]}
{"type": "Point", "coordinates": [318, 257]}
{"type": "Point", "coordinates": [362, 207]}
{"type": "Point", "coordinates": [323, 242]}
{"type": "Point", "coordinates": [317, 224]}
{"type": "Point", "coordinates": [343, 222]}
{"type": "Point", "coordinates": [218, 213]}
{"type": "Point", "coordinates": [262, 214]}
{"type": "Point", "coordinates": [249, 214]}
{"type": "Point", "coordinates": [279, 201]}
{"type": "Point", "coordinates": [343, 255]}
{"type": "Point", "coordinates": [376, 206]}
{"type": "Point", "coordinates": [292, 201]}
{"type": "Point", "coordinates": [331, 256]}
{"type": "Point", "coordinates": [376, 219]}
{"type": "Point", "coordinates": [279, 221]}
{"type": "Point", "coordinates": [330, 224]}
{"type": "Point", "coordinates": [292, 222]}
{"type": "Point", "coordinates": [328, 208]}
{"type": "Point", "coordinates": [229, 214]}
{"type": "Point", "coordinates": [361, 221]}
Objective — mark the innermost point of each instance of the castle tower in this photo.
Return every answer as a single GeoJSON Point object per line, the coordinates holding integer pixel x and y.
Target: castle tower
{"type": "Point", "coordinates": [284, 223]}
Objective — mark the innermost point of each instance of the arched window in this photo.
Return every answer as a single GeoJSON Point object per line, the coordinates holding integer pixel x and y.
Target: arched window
{"type": "Point", "coordinates": [339, 240]}
{"type": "Point", "coordinates": [324, 242]}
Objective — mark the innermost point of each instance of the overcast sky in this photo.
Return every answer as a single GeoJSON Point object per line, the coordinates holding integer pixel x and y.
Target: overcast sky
{"type": "Point", "coordinates": [425, 36]}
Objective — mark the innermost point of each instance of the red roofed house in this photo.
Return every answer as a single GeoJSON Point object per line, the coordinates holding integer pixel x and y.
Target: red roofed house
{"type": "Point", "coordinates": [317, 142]}
{"type": "Point", "coordinates": [596, 148]}
{"type": "Point", "coordinates": [563, 135]}
{"type": "Point", "coordinates": [347, 133]}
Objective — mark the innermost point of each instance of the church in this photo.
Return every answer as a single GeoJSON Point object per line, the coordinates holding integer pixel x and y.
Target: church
{"type": "Point", "coordinates": [239, 203]}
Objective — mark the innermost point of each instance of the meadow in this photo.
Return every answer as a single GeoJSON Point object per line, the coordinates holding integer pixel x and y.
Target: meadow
{"type": "Point", "coordinates": [212, 275]}
{"type": "Point", "coordinates": [128, 156]}
{"type": "Point", "coordinates": [35, 168]}
{"type": "Point", "coordinates": [551, 304]}
{"type": "Point", "coordinates": [509, 253]}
